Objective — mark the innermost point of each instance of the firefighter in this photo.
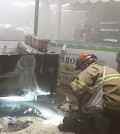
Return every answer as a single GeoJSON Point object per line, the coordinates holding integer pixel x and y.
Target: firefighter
{"type": "Point", "coordinates": [91, 75]}
{"type": "Point", "coordinates": [118, 61]}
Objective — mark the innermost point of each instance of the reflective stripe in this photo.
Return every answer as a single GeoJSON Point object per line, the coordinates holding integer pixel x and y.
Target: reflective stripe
{"type": "Point", "coordinates": [77, 85]}
{"type": "Point", "coordinates": [80, 83]}
{"type": "Point", "coordinates": [108, 78]}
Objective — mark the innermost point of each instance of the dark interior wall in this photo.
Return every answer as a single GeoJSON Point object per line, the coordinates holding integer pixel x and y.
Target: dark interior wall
{"type": "Point", "coordinates": [48, 79]}
{"type": "Point", "coordinates": [28, 72]}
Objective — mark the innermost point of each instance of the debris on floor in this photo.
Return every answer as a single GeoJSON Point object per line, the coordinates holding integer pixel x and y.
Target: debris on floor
{"type": "Point", "coordinates": [38, 126]}
{"type": "Point", "coordinates": [11, 124]}
{"type": "Point", "coordinates": [33, 117]}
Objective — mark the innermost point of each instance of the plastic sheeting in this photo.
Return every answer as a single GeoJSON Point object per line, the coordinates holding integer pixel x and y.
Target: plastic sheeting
{"type": "Point", "coordinates": [81, 1]}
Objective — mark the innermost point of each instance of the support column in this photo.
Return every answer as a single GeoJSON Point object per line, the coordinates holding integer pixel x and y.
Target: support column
{"type": "Point", "coordinates": [36, 17]}
{"type": "Point", "coordinates": [58, 20]}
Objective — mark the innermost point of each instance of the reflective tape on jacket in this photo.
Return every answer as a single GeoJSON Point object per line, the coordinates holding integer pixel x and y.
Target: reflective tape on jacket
{"type": "Point", "coordinates": [108, 78]}
{"type": "Point", "coordinates": [77, 85]}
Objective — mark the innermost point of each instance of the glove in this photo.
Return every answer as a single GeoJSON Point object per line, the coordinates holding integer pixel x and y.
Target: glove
{"type": "Point", "coordinates": [73, 107]}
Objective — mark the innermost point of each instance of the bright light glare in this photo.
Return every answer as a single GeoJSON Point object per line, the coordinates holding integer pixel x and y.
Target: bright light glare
{"type": "Point", "coordinates": [52, 118]}
{"type": "Point", "coordinates": [47, 114]}
{"type": "Point", "coordinates": [23, 4]}
{"type": "Point", "coordinates": [54, 121]}
{"type": "Point", "coordinates": [67, 10]}
{"type": "Point", "coordinates": [38, 91]}
{"type": "Point", "coordinates": [29, 96]}
{"type": "Point", "coordinates": [67, 4]}
{"type": "Point", "coordinates": [42, 92]}
{"type": "Point", "coordinates": [19, 4]}
{"type": "Point", "coordinates": [11, 98]}
{"type": "Point", "coordinates": [74, 11]}
{"type": "Point", "coordinates": [18, 98]}
{"type": "Point", "coordinates": [53, 6]}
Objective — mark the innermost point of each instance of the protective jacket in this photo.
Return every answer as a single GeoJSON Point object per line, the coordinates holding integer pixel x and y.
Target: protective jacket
{"type": "Point", "coordinates": [92, 76]}
{"type": "Point", "coordinates": [118, 61]}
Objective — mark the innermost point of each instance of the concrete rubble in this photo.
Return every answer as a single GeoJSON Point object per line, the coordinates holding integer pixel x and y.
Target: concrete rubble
{"type": "Point", "coordinates": [10, 124]}
{"type": "Point", "coordinates": [39, 117]}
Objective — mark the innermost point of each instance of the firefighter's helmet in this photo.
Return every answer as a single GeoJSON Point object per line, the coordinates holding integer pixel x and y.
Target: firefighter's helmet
{"type": "Point", "coordinates": [83, 59]}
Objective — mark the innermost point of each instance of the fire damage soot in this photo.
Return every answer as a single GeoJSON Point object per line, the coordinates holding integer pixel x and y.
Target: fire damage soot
{"type": "Point", "coordinates": [10, 110]}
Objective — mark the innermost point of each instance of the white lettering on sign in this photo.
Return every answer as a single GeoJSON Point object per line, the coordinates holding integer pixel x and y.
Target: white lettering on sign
{"type": "Point", "coordinates": [69, 58]}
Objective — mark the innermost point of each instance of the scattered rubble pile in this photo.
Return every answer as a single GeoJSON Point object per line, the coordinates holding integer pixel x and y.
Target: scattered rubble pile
{"type": "Point", "coordinates": [11, 124]}
{"type": "Point", "coordinates": [30, 117]}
